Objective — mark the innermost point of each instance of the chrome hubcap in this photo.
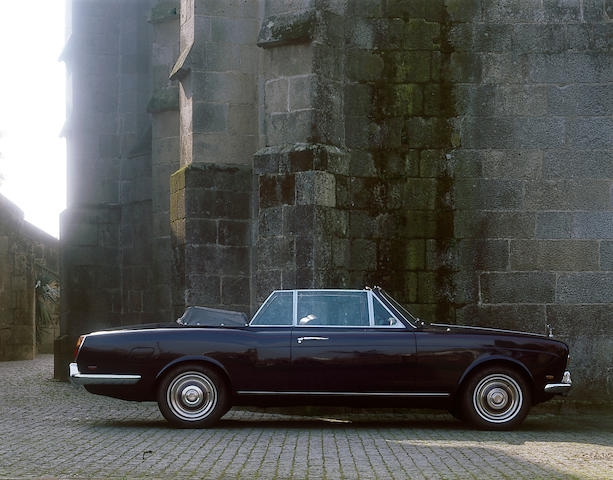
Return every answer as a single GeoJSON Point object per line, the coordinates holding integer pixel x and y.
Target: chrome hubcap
{"type": "Point", "coordinates": [191, 396]}
{"type": "Point", "coordinates": [497, 398]}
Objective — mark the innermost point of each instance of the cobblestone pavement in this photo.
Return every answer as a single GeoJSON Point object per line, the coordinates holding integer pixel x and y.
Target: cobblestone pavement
{"type": "Point", "coordinates": [50, 429]}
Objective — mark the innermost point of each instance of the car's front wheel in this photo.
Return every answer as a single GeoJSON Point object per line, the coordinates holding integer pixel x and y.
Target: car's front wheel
{"type": "Point", "coordinates": [496, 398]}
{"type": "Point", "coordinates": [192, 396]}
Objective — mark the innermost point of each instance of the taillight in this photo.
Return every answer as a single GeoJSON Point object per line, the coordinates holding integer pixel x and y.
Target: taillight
{"type": "Point", "coordinates": [76, 350]}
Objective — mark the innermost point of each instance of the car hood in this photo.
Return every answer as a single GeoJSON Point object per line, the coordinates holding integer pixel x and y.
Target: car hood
{"type": "Point", "coordinates": [477, 330]}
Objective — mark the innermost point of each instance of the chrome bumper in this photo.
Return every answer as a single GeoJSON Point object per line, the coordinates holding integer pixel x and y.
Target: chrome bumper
{"type": "Point", "coordinates": [560, 388]}
{"type": "Point", "coordinates": [79, 378]}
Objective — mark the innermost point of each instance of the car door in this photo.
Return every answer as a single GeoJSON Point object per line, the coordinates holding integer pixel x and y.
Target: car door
{"type": "Point", "coordinates": [337, 346]}
{"type": "Point", "coordinates": [266, 362]}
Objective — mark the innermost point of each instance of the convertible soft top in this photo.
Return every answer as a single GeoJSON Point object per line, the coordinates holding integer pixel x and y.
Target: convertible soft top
{"type": "Point", "coordinates": [212, 317]}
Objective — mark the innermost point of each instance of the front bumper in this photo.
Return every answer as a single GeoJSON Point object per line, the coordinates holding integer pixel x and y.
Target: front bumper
{"type": "Point", "coordinates": [79, 378]}
{"type": "Point", "coordinates": [561, 388]}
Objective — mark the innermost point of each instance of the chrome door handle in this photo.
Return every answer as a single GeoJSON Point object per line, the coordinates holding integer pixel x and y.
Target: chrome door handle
{"type": "Point", "coordinates": [302, 339]}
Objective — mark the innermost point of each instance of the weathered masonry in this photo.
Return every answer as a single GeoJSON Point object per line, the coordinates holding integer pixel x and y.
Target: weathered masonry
{"type": "Point", "coordinates": [458, 153]}
{"type": "Point", "coordinates": [27, 256]}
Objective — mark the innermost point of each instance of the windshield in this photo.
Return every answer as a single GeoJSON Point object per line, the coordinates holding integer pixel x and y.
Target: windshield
{"type": "Point", "coordinates": [403, 311]}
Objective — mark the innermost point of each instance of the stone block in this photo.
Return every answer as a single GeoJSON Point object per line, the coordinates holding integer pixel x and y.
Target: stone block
{"type": "Point", "coordinates": [276, 190]}
{"type": "Point", "coordinates": [539, 132]}
{"type": "Point", "coordinates": [287, 28]}
{"type": "Point", "coordinates": [512, 11]}
{"type": "Point", "coordinates": [266, 281]}
{"type": "Point", "coordinates": [421, 224]}
{"type": "Point", "coordinates": [315, 188]}
{"type": "Point", "coordinates": [463, 10]}
{"type": "Point", "coordinates": [235, 290]}
{"type": "Point", "coordinates": [276, 252]}
{"type": "Point", "coordinates": [422, 132]}
{"type": "Point", "coordinates": [570, 67]}
{"type": "Point", "coordinates": [509, 164]}
{"type": "Point", "coordinates": [460, 36]}
{"type": "Point", "coordinates": [362, 224]}
{"type": "Point", "coordinates": [483, 254]}
{"type": "Point", "coordinates": [200, 231]}
{"type": "Point", "coordinates": [301, 91]}
{"type": "Point", "coordinates": [567, 195]}
{"type": "Point", "coordinates": [419, 34]}
{"type": "Point", "coordinates": [363, 255]}
{"type": "Point", "coordinates": [585, 287]}
{"type": "Point", "coordinates": [518, 287]}
{"type": "Point", "coordinates": [407, 67]}
{"type": "Point", "coordinates": [235, 233]}
{"type": "Point", "coordinates": [401, 100]}
{"type": "Point", "coordinates": [554, 255]}
{"type": "Point", "coordinates": [465, 67]}
{"type": "Point", "coordinates": [492, 37]}
{"type": "Point", "coordinates": [234, 30]}
{"type": "Point", "coordinates": [533, 38]}
{"type": "Point", "coordinates": [578, 164]}
{"type": "Point", "coordinates": [606, 255]}
{"type": "Point", "coordinates": [363, 66]}
{"type": "Point", "coordinates": [596, 225]}
{"type": "Point", "coordinates": [202, 290]}
{"type": "Point", "coordinates": [270, 222]}
{"type": "Point", "coordinates": [419, 193]}
{"type": "Point", "coordinates": [501, 68]}
{"type": "Point", "coordinates": [488, 133]}
{"type": "Point", "coordinates": [488, 194]}
{"type": "Point", "coordinates": [567, 11]}
{"type": "Point", "coordinates": [358, 99]}
{"type": "Point", "coordinates": [553, 225]}
{"type": "Point", "coordinates": [525, 318]}
{"type": "Point", "coordinates": [276, 95]}
{"type": "Point", "coordinates": [215, 260]}
{"type": "Point", "coordinates": [591, 133]}
{"type": "Point", "coordinates": [210, 117]}
{"type": "Point", "coordinates": [589, 100]}
{"type": "Point", "coordinates": [501, 224]}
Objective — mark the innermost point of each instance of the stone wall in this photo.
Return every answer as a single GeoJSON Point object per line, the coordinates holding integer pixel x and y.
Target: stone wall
{"type": "Point", "coordinates": [455, 152]}
{"type": "Point", "coordinates": [26, 254]}
{"type": "Point", "coordinates": [532, 173]}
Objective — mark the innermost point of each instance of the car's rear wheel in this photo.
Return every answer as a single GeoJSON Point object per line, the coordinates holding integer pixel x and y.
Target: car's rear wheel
{"type": "Point", "coordinates": [496, 398]}
{"type": "Point", "coordinates": [192, 396]}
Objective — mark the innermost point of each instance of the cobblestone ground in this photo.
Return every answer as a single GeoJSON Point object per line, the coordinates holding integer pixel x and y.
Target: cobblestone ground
{"type": "Point", "coordinates": [50, 429]}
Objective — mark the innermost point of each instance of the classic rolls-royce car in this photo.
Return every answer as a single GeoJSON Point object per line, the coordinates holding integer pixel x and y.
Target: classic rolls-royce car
{"type": "Point", "coordinates": [325, 347]}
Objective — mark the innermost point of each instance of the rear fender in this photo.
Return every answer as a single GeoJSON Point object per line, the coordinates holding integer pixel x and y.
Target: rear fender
{"type": "Point", "coordinates": [195, 359]}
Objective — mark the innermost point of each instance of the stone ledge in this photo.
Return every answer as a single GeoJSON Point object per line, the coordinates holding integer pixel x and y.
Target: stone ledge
{"type": "Point", "coordinates": [287, 29]}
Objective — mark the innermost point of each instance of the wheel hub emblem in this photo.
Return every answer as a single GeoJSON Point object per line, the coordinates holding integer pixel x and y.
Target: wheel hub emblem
{"type": "Point", "coordinates": [192, 395]}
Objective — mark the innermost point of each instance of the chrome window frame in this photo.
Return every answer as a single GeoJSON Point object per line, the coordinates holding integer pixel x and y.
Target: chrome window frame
{"type": "Point", "coordinates": [371, 298]}
{"type": "Point", "coordinates": [265, 302]}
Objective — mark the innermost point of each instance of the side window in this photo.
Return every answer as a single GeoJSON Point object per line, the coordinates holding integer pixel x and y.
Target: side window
{"type": "Point", "coordinates": [335, 309]}
{"type": "Point", "coordinates": [382, 317]}
{"type": "Point", "coordinates": [278, 310]}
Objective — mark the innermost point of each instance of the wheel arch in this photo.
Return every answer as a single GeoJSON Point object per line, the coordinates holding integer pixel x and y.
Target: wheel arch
{"type": "Point", "coordinates": [198, 359]}
{"type": "Point", "coordinates": [486, 362]}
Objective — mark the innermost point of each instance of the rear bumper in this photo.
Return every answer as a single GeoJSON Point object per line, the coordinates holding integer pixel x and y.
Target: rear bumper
{"type": "Point", "coordinates": [561, 388]}
{"type": "Point", "coordinates": [79, 378]}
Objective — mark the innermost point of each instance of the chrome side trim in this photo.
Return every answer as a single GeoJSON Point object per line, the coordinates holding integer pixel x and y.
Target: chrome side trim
{"type": "Point", "coordinates": [347, 394]}
{"type": "Point", "coordinates": [79, 378]}
{"type": "Point", "coordinates": [472, 327]}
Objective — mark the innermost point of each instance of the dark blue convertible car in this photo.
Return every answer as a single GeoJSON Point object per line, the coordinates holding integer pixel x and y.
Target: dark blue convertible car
{"type": "Point", "coordinates": [331, 347]}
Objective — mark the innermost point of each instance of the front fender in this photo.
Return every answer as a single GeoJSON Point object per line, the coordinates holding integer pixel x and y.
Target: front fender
{"type": "Point", "coordinates": [494, 358]}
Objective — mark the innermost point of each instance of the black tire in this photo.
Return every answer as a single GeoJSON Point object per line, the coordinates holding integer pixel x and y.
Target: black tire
{"type": "Point", "coordinates": [456, 413]}
{"type": "Point", "coordinates": [496, 398]}
{"type": "Point", "coordinates": [192, 396]}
